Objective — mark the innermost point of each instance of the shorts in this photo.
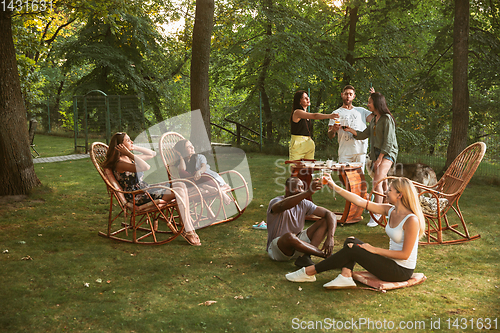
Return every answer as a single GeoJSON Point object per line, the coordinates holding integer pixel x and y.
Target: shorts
{"type": "Point", "coordinates": [301, 147]}
{"type": "Point", "coordinates": [275, 253]}
{"type": "Point", "coordinates": [387, 157]}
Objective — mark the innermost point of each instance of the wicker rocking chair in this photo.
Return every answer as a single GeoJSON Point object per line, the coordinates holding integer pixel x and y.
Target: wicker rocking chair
{"type": "Point", "coordinates": [437, 200]}
{"type": "Point", "coordinates": [215, 211]}
{"type": "Point", "coordinates": [153, 223]}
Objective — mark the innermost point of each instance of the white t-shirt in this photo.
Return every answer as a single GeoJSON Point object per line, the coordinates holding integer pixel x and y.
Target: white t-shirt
{"type": "Point", "coordinates": [350, 148]}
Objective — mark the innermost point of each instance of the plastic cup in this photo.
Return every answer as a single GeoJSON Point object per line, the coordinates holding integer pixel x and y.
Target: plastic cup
{"type": "Point", "coordinates": [324, 181]}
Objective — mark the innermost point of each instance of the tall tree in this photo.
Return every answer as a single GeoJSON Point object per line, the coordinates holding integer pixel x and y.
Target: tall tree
{"type": "Point", "coordinates": [261, 82]}
{"type": "Point", "coordinates": [18, 174]}
{"type": "Point", "coordinates": [460, 104]}
{"type": "Point", "coordinates": [351, 41]}
{"type": "Point", "coordinates": [200, 61]}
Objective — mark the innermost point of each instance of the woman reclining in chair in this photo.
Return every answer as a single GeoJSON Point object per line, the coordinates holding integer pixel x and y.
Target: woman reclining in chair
{"type": "Point", "coordinates": [195, 165]}
{"type": "Point", "coordinates": [129, 170]}
{"type": "Point", "coordinates": [405, 226]}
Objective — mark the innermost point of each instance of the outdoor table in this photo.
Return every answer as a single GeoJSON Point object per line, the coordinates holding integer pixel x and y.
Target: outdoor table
{"type": "Point", "coordinates": [351, 176]}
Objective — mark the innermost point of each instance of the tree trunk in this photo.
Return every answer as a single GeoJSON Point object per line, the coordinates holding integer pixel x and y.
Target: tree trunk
{"type": "Point", "coordinates": [200, 61]}
{"type": "Point", "coordinates": [460, 104]}
{"type": "Point", "coordinates": [55, 111]}
{"type": "Point", "coordinates": [351, 41]}
{"type": "Point", "coordinates": [18, 174]}
{"type": "Point", "coordinates": [157, 111]}
{"type": "Point", "coordinates": [261, 83]}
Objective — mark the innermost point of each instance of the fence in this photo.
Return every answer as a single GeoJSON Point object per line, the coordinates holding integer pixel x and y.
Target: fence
{"type": "Point", "coordinates": [99, 114]}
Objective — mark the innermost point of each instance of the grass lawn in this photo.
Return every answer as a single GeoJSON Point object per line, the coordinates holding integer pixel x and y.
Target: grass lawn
{"type": "Point", "coordinates": [54, 250]}
{"type": "Point", "coordinates": [51, 145]}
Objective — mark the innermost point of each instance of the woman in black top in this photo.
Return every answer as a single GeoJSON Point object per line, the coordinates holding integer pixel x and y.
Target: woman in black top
{"type": "Point", "coordinates": [301, 144]}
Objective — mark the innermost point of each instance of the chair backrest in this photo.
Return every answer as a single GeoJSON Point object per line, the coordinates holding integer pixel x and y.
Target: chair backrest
{"type": "Point", "coordinates": [32, 130]}
{"type": "Point", "coordinates": [168, 155]}
{"type": "Point", "coordinates": [98, 153]}
{"type": "Point", "coordinates": [461, 170]}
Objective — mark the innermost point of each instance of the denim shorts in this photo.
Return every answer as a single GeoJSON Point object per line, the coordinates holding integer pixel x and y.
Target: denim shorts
{"type": "Point", "coordinates": [387, 157]}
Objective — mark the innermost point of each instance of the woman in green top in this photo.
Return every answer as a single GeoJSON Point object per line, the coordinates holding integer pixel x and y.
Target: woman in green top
{"type": "Point", "coordinates": [383, 143]}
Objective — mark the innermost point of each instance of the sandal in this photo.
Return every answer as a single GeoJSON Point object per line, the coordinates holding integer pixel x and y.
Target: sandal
{"type": "Point", "coordinates": [192, 238]}
{"type": "Point", "coordinates": [261, 225]}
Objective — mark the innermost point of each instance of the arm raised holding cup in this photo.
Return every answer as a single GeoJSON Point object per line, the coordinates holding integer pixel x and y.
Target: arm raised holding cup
{"type": "Point", "coordinates": [383, 142]}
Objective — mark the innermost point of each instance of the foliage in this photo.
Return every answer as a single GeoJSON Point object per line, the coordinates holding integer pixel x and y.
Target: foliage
{"type": "Point", "coordinates": [266, 49]}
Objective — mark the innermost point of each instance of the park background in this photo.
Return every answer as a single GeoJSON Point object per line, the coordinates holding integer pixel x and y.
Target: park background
{"type": "Point", "coordinates": [261, 52]}
{"type": "Point", "coordinates": [139, 54]}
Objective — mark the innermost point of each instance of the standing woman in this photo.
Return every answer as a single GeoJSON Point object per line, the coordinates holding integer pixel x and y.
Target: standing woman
{"type": "Point", "coordinates": [128, 170]}
{"type": "Point", "coordinates": [405, 226]}
{"type": "Point", "coordinates": [301, 144]}
{"type": "Point", "coordinates": [383, 143]}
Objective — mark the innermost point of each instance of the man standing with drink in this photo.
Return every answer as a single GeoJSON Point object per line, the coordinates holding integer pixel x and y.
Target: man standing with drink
{"type": "Point", "coordinates": [350, 149]}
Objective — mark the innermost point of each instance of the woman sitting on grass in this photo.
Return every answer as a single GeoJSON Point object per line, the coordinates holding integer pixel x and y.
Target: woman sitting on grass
{"type": "Point", "coordinates": [404, 227]}
{"type": "Point", "coordinates": [195, 165]}
{"type": "Point", "coordinates": [128, 170]}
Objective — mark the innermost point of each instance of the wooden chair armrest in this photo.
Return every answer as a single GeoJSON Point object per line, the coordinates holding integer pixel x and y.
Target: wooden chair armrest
{"type": "Point", "coordinates": [425, 187]}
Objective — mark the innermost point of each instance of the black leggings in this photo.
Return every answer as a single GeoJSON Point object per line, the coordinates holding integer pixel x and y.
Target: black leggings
{"type": "Point", "coordinates": [383, 268]}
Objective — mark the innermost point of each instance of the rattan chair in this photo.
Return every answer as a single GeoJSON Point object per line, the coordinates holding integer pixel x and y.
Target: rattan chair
{"type": "Point", "coordinates": [215, 211]}
{"type": "Point", "coordinates": [153, 223]}
{"type": "Point", "coordinates": [437, 200]}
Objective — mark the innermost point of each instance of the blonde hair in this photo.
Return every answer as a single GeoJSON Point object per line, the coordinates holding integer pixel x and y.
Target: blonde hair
{"type": "Point", "coordinates": [410, 200]}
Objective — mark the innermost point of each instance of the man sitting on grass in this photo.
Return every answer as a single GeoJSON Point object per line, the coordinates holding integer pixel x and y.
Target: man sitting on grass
{"type": "Point", "coordinates": [286, 214]}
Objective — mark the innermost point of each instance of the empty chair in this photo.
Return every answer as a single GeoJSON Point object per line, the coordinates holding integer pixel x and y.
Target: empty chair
{"type": "Point", "coordinates": [439, 199]}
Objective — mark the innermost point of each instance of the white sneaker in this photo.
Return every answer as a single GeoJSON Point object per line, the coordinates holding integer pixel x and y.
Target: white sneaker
{"type": "Point", "coordinates": [300, 276]}
{"type": "Point", "coordinates": [341, 282]}
{"type": "Point", "coordinates": [372, 223]}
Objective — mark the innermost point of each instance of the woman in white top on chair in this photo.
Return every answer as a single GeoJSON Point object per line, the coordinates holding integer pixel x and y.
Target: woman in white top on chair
{"type": "Point", "coordinates": [405, 226]}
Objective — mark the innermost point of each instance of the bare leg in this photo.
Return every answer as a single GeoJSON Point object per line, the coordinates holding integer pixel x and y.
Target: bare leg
{"type": "Point", "coordinates": [289, 243]}
{"type": "Point", "coordinates": [311, 270]}
{"type": "Point", "coordinates": [189, 234]}
{"type": "Point", "coordinates": [381, 173]}
{"type": "Point", "coordinates": [211, 189]}
{"type": "Point", "coordinates": [317, 232]}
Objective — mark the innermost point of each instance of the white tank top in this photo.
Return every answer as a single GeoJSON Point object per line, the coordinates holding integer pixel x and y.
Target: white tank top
{"type": "Point", "coordinates": [397, 236]}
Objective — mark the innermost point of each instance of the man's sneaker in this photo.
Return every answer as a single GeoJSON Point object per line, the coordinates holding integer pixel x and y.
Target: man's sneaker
{"type": "Point", "coordinates": [300, 276]}
{"type": "Point", "coordinates": [303, 261]}
{"type": "Point", "coordinates": [341, 282]}
{"type": "Point", "coordinates": [372, 223]}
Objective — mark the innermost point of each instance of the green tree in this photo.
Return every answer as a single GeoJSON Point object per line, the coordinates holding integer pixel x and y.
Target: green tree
{"type": "Point", "coordinates": [200, 62]}
{"type": "Point", "coordinates": [18, 174]}
{"type": "Point", "coordinates": [460, 106]}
